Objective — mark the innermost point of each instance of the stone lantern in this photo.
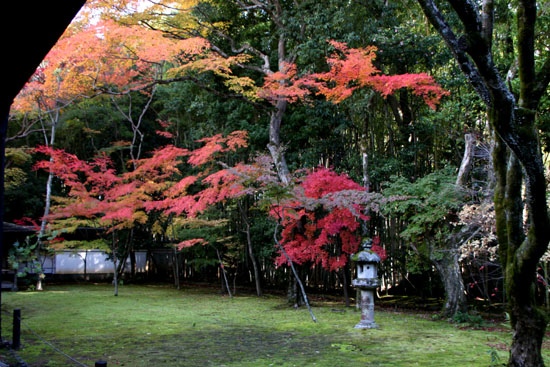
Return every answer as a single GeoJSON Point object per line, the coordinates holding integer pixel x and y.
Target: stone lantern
{"type": "Point", "coordinates": [367, 281]}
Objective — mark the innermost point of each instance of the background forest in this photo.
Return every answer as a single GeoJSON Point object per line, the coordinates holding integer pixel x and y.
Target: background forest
{"type": "Point", "coordinates": [233, 84]}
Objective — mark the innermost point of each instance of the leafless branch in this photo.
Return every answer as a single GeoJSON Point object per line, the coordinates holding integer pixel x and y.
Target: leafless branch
{"type": "Point", "coordinates": [171, 7]}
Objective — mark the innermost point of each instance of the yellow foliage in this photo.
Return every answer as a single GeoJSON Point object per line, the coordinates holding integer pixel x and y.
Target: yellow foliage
{"type": "Point", "coordinates": [90, 131]}
{"type": "Point", "coordinates": [157, 228]}
{"type": "Point", "coordinates": [244, 86]}
{"type": "Point", "coordinates": [140, 217]}
{"type": "Point", "coordinates": [14, 177]}
{"type": "Point", "coordinates": [17, 156]}
{"type": "Point", "coordinates": [197, 222]}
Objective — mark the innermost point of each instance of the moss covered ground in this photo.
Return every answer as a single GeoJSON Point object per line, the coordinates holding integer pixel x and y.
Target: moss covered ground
{"type": "Point", "coordinates": [156, 325]}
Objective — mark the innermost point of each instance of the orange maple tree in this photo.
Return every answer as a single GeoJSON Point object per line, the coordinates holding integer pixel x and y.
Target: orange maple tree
{"type": "Point", "coordinates": [349, 69]}
{"type": "Point", "coordinates": [110, 57]}
{"type": "Point", "coordinates": [106, 57]}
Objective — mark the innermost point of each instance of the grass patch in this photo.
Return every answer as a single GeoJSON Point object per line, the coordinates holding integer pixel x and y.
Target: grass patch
{"type": "Point", "coordinates": [156, 325]}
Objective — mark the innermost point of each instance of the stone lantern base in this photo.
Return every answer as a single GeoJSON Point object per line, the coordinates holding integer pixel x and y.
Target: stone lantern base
{"type": "Point", "coordinates": [366, 325]}
{"type": "Point", "coordinates": [367, 310]}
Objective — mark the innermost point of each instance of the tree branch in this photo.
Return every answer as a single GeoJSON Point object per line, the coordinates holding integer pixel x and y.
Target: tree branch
{"type": "Point", "coordinates": [487, 21]}
{"type": "Point", "coordinates": [526, 17]}
{"type": "Point", "coordinates": [266, 69]}
{"type": "Point", "coordinates": [216, 92]}
{"type": "Point", "coordinates": [467, 11]}
{"type": "Point", "coordinates": [457, 48]}
{"type": "Point", "coordinates": [542, 79]}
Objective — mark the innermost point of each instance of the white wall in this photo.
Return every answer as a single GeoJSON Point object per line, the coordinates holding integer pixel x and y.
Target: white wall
{"type": "Point", "coordinates": [72, 262]}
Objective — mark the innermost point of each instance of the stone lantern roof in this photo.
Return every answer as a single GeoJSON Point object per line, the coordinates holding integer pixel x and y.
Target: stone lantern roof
{"type": "Point", "coordinates": [366, 254]}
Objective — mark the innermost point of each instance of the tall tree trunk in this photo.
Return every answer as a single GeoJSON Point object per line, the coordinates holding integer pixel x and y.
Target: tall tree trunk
{"type": "Point", "coordinates": [527, 319]}
{"type": "Point", "coordinates": [133, 264]}
{"type": "Point", "coordinates": [446, 261]}
{"type": "Point", "coordinates": [275, 147]}
{"type": "Point", "coordinates": [363, 148]}
{"type": "Point", "coordinates": [115, 274]}
{"type": "Point", "coordinates": [85, 260]}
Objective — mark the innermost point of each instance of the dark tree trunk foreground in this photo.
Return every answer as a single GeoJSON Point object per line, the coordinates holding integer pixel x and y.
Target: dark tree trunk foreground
{"type": "Point", "coordinates": [517, 157]}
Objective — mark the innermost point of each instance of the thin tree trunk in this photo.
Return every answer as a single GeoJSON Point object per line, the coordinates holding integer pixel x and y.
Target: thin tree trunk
{"type": "Point", "coordinates": [251, 251]}
{"type": "Point", "coordinates": [294, 272]}
{"type": "Point", "coordinates": [235, 283]}
{"type": "Point", "coordinates": [345, 284]}
{"type": "Point", "coordinates": [115, 264]}
{"type": "Point", "coordinates": [115, 273]}
{"type": "Point", "coordinates": [363, 146]}
{"type": "Point", "coordinates": [86, 264]}
{"type": "Point", "coordinates": [176, 269]}
{"type": "Point", "coordinates": [54, 120]}
{"type": "Point", "coordinates": [133, 262]}
{"type": "Point", "coordinates": [39, 282]}
{"type": "Point", "coordinates": [257, 279]}
{"type": "Point", "coordinates": [224, 274]}
{"type": "Point", "coordinates": [546, 289]}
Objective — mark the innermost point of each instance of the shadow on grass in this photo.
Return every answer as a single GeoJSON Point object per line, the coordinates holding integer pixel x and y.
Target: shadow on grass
{"type": "Point", "coordinates": [229, 345]}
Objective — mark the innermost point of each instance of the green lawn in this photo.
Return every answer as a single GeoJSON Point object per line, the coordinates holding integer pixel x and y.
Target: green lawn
{"type": "Point", "coordinates": [157, 325]}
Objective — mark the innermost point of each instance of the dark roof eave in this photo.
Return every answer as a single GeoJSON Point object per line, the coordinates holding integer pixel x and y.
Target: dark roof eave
{"type": "Point", "coordinates": [16, 228]}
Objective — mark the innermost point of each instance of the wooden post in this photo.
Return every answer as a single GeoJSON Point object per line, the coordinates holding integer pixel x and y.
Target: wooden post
{"type": "Point", "coordinates": [546, 289]}
{"type": "Point", "coordinates": [16, 335]}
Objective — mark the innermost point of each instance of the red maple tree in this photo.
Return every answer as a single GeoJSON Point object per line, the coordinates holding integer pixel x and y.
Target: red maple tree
{"type": "Point", "coordinates": [117, 201]}
{"type": "Point", "coordinates": [319, 226]}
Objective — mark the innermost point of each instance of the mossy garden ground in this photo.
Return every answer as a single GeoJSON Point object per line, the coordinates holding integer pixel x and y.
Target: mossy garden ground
{"type": "Point", "coordinates": [156, 325]}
